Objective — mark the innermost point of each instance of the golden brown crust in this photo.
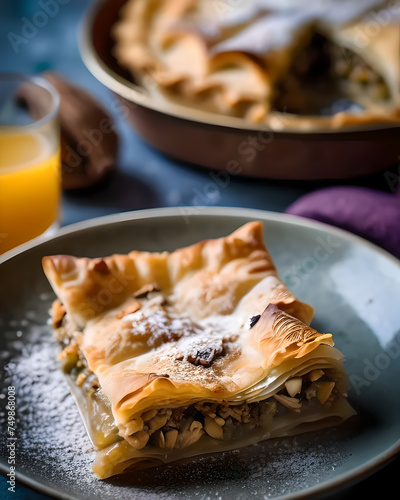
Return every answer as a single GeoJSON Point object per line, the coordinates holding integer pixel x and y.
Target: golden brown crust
{"type": "Point", "coordinates": [208, 292]}
{"type": "Point", "coordinates": [88, 287]}
{"type": "Point", "coordinates": [211, 322]}
{"type": "Point", "coordinates": [286, 337]}
{"type": "Point", "coordinates": [58, 312]}
{"type": "Point", "coordinates": [209, 277]}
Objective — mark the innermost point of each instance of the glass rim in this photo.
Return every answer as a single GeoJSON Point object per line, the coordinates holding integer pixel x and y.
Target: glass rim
{"type": "Point", "coordinates": [39, 81]}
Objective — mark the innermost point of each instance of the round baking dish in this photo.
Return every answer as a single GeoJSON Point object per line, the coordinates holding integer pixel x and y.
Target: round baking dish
{"type": "Point", "coordinates": [229, 144]}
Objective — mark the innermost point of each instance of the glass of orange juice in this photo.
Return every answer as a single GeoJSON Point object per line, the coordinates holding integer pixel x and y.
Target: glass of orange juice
{"type": "Point", "coordinates": [30, 167]}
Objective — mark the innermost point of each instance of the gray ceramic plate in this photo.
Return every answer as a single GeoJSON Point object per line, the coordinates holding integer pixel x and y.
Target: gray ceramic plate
{"type": "Point", "coordinates": [355, 289]}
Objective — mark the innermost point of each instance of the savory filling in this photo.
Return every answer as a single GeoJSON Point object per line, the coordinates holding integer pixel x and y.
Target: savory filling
{"type": "Point", "coordinates": [351, 68]}
{"type": "Point", "coordinates": [326, 78]}
{"type": "Point", "coordinates": [177, 428]}
{"type": "Point", "coordinates": [171, 428]}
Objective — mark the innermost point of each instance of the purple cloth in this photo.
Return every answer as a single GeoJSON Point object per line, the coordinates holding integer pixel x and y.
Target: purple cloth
{"type": "Point", "coordinates": [372, 214]}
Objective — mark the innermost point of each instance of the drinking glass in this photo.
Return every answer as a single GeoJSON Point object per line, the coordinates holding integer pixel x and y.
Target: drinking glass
{"type": "Point", "coordinates": [30, 166]}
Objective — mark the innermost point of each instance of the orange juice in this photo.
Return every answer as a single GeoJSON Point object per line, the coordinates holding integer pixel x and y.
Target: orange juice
{"type": "Point", "coordinates": [29, 187]}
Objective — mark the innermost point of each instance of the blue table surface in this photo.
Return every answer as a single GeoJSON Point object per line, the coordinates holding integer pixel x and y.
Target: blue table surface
{"type": "Point", "coordinates": [145, 178]}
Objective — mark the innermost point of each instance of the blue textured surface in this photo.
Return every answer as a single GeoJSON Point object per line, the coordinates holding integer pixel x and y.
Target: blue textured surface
{"type": "Point", "coordinates": [145, 178]}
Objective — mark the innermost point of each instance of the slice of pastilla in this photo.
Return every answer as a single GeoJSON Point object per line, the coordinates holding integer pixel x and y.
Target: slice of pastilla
{"type": "Point", "coordinates": [191, 352]}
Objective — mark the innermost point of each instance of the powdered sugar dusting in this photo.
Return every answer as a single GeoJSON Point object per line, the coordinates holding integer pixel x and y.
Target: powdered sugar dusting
{"type": "Point", "coordinates": [52, 446]}
{"type": "Point", "coordinates": [49, 428]}
{"type": "Point", "coordinates": [159, 326]}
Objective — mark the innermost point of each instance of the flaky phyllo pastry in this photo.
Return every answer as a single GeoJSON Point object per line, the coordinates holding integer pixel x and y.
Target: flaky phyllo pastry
{"type": "Point", "coordinates": [302, 64]}
{"type": "Point", "coordinates": [192, 352]}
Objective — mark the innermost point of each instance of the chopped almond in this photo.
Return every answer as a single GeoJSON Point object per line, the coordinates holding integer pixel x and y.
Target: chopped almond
{"type": "Point", "coordinates": [144, 290]}
{"type": "Point", "coordinates": [58, 312]}
{"type": "Point", "coordinates": [134, 306]}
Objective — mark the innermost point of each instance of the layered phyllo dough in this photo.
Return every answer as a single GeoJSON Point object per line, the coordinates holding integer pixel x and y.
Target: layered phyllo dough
{"type": "Point", "coordinates": [196, 351]}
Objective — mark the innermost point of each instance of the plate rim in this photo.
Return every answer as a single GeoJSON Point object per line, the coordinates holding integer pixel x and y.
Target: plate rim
{"type": "Point", "coordinates": [220, 211]}
{"type": "Point", "coordinates": [346, 479]}
{"type": "Point", "coordinates": [336, 485]}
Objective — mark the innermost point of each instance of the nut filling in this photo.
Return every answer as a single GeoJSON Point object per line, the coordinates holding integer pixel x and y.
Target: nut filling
{"type": "Point", "coordinates": [173, 428]}
{"type": "Point", "coordinates": [180, 427]}
{"type": "Point", "coordinates": [326, 78]}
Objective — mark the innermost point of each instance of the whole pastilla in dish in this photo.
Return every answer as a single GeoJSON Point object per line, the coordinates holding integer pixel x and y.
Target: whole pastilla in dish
{"type": "Point", "coordinates": [197, 351]}
{"type": "Point", "coordinates": [286, 64]}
